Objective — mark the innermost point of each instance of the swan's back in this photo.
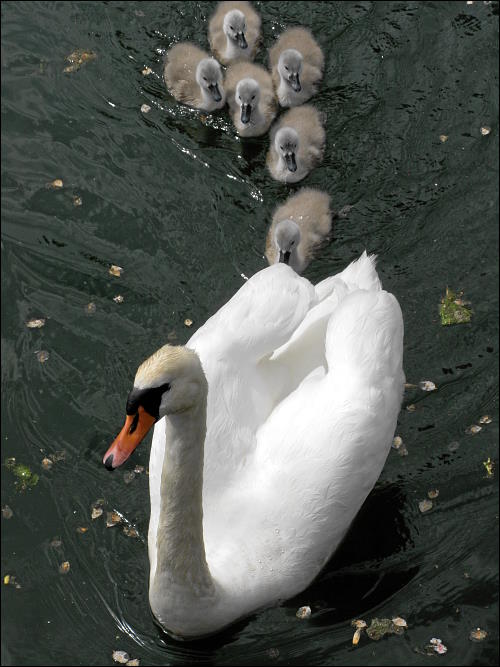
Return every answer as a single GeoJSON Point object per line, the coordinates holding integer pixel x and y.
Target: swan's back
{"type": "Point", "coordinates": [217, 37]}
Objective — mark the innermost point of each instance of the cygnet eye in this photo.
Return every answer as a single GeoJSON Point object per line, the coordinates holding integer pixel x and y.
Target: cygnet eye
{"type": "Point", "coordinates": [281, 148]}
{"type": "Point", "coordinates": [204, 78]}
{"type": "Point", "coordinates": [253, 97]}
{"type": "Point", "coordinates": [286, 68]}
{"type": "Point", "coordinates": [231, 27]}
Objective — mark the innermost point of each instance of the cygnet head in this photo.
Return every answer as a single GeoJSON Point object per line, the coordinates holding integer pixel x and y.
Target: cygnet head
{"type": "Point", "coordinates": [290, 67]}
{"type": "Point", "coordinates": [235, 26]}
{"type": "Point", "coordinates": [287, 239]}
{"type": "Point", "coordinates": [286, 143]}
{"type": "Point", "coordinates": [247, 97]}
{"type": "Point", "coordinates": [170, 382]}
{"type": "Point", "coordinates": [209, 76]}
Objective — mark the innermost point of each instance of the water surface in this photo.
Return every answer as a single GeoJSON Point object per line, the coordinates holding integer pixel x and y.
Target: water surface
{"type": "Point", "coordinates": [183, 205]}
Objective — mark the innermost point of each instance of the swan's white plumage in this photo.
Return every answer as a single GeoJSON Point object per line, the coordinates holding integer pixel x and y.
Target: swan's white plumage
{"type": "Point", "coordinates": [304, 389]}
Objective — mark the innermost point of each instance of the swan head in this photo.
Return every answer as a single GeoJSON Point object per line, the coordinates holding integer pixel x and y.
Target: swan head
{"type": "Point", "coordinates": [286, 144]}
{"type": "Point", "coordinates": [235, 26]}
{"type": "Point", "coordinates": [287, 239]}
{"type": "Point", "coordinates": [170, 382]}
{"type": "Point", "coordinates": [247, 96]}
{"type": "Point", "coordinates": [290, 67]}
{"type": "Point", "coordinates": [209, 78]}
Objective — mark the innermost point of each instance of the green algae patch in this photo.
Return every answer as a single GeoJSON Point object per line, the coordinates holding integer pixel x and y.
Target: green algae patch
{"type": "Point", "coordinates": [383, 626]}
{"type": "Point", "coordinates": [25, 478]}
{"type": "Point", "coordinates": [453, 309]}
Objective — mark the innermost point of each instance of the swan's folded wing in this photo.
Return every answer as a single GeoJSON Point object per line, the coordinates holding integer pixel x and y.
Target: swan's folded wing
{"type": "Point", "coordinates": [260, 317]}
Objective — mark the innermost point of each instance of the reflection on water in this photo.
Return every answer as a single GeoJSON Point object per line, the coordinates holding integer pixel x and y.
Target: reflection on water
{"type": "Point", "coordinates": [183, 205]}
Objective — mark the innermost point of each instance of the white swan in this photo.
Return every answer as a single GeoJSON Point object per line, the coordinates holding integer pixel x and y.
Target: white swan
{"type": "Point", "coordinates": [194, 78]}
{"type": "Point", "coordinates": [296, 61]}
{"type": "Point", "coordinates": [251, 98]}
{"type": "Point", "coordinates": [254, 486]}
{"type": "Point", "coordinates": [234, 31]}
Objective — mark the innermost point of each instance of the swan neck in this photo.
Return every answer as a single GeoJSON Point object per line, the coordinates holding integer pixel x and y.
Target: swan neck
{"type": "Point", "coordinates": [181, 560]}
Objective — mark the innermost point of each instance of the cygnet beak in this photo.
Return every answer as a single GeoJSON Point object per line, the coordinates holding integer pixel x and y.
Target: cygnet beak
{"type": "Point", "coordinates": [284, 256]}
{"type": "Point", "coordinates": [215, 92]}
{"type": "Point", "coordinates": [246, 111]}
{"type": "Point", "coordinates": [295, 82]}
{"type": "Point", "coordinates": [133, 432]}
{"type": "Point", "coordinates": [290, 162]}
{"type": "Point", "coordinates": [242, 42]}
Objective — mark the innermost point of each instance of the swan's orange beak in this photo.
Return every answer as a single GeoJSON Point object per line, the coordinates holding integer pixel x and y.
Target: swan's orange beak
{"type": "Point", "coordinates": [133, 432]}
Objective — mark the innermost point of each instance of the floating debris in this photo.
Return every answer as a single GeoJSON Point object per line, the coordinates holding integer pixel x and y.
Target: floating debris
{"type": "Point", "coordinates": [6, 579]}
{"type": "Point", "coordinates": [383, 626]}
{"type": "Point", "coordinates": [25, 478]}
{"type": "Point", "coordinates": [453, 446]}
{"type": "Point", "coordinates": [443, 138]}
{"type": "Point", "coordinates": [400, 622]}
{"type": "Point", "coordinates": [303, 612]}
{"type": "Point", "coordinates": [427, 385]}
{"type": "Point", "coordinates": [78, 58]}
{"type": "Point", "coordinates": [115, 270]}
{"type": "Point", "coordinates": [411, 408]}
{"type": "Point", "coordinates": [118, 298]}
{"type": "Point", "coordinates": [172, 336]}
{"type": "Point", "coordinates": [47, 463]}
{"type": "Point", "coordinates": [7, 512]}
{"type": "Point", "coordinates": [42, 356]}
{"type": "Point", "coordinates": [112, 519]}
{"type": "Point", "coordinates": [59, 456]}
{"type": "Point", "coordinates": [96, 508]}
{"type": "Point", "coordinates": [56, 542]}
{"type": "Point", "coordinates": [128, 476]}
{"type": "Point", "coordinates": [433, 493]}
{"type": "Point", "coordinates": [360, 625]}
{"type": "Point", "coordinates": [64, 567]}
{"type": "Point", "coordinates": [436, 645]}
{"type": "Point", "coordinates": [489, 465]}
{"type": "Point", "coordinates": [77, 201]}
{"type": "Point", "coordinates": [90, 308]}
{"type": "Point", "coordinates": [472, 430]}
{"type": "Point", "coordinates": [10, 580]}
{"type": "Point", "coordinates": [425, 505]}
{"type": "Point", "coordinates": [130, 531]}
{"type": "Point", "coordinates": [145, 108]}
{"type": "Point", "coordinates": [133, 662]}
{"type": "Point", "coordinates": [399, 446]}
{"type": "Point", "coordinates": [138, 469]}
{"type": "Point", "coordinates": [188, 322]}
{"type": "Point", "coordinates": [485, 130]}
{"type": "Point", "coordinates": [35, 324]}
{"type": "Point", "coordinates": [397, 442]}
{"type": "Point", "coordinates": [273, 653]}
{"type": "Point", "coordinates": [56, 184]}
{"type": "Point", "coordinates": [453, 309]}
{"type": "Point", "coordinates": [147, 71]}
{"type": "Point", "coordinates": [82, 529]}
{"type": "Point", "coordinates": [486, 419]}
{"type": "Point", "coordinates": [478, 635]}
{"type": "Point", "coordinates": [121, 657]}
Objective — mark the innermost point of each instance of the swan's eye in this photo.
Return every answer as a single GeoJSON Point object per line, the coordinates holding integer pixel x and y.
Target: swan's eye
{"type": "Point", "coordinates": [204, 78]}
{"type": "Point", "coordinates": [281, 148]}
{"type": "Point", "coordinates": [253, 97]}
{"type": "Point", "coordinates": [286, 68]}
{"type": "Point", "coordinates": [231, 27]}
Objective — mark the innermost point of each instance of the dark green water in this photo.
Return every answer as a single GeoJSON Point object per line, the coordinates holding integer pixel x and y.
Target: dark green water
{"type": "Point", "coordinates": [183, 206]}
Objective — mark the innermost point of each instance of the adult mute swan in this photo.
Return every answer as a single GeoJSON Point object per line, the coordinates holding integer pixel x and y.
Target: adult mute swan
{"type": "Point", "coordinates": [273, 424]}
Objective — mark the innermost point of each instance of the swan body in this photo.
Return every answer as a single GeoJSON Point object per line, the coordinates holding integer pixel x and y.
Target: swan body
{"type": "Point", "coordinates": [194, 78]}
{"type": "Point", "coordinates": [298, 226]}
{"type": "Point", "coordinates": [234, 32]}
{"type": "Point", "coordinates": [296, 62]}
{"type": "Point", "coordinates": [251, 98]}
{"type": "Point", "coordinates": [273, 425]}
{"type": "Point", "coordinates": [297, 144]}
